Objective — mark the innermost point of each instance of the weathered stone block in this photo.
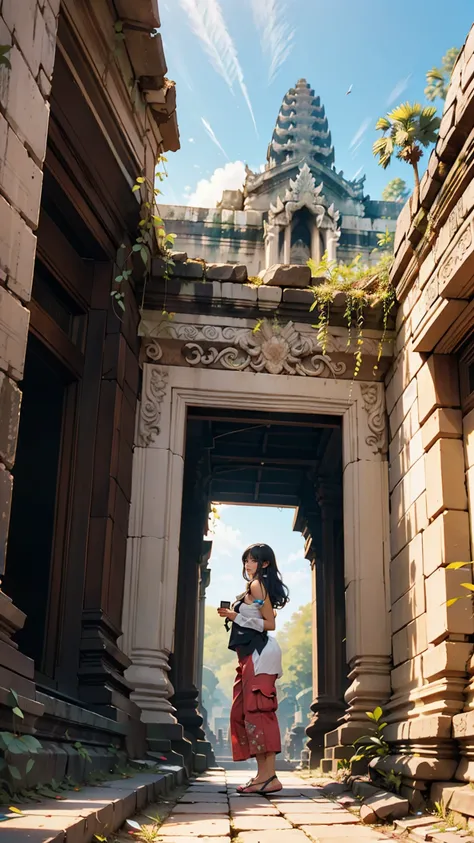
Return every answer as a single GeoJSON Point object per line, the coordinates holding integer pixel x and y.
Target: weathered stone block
{"type": "Point", "coordinates": [413, 522]}
{"type": "Point", "coordinates": [410, 487]}
{"type": "Point", "coordinates": [405, 460]}
{"type": "Point", "coordinates": [408, 675]}
{"type": "Point", "coordinates": [269, 297]}
{"type": "Point", "coordinates": [444, 423]}
{"type": "Point", "coordinates": [438, 385]}
{"type": "Point", "coordinates": [410, 641]}
{"type": "Point", "coordinates": [21, 179]}
{"type": "Point", "coordinates": [405, 433]}
{"type": "Point", "coordinates": [445, 486]}
{"type": "Point", "coordinates": [406, 569]}
{"type": "Point", "coordinates": [409, 606]}
{"type": "Point", "coordinates": [13, 334]}
{"type": "Point", "coordinates": [17, 250]}
{"type": "Point", "coordinates": [226, 272]}
{"type": "Point", "coordinates": [25, 106]}
{"type": "Point", "coordinates": [436, 322]}
{"type": "Point", "coordinates": [386, 805]}
{"type": "Point", "coordinates": [463, 725]}
{"type": "Point", "coordinates": [294, 296]}
{"type": "Point", "coordinates": [446, 540]}
{"type": "Point", "coordinates": [442, 620]}
{"type": "Point", "coordinates": [10, 400]}
{"type": "Point", "coordinates": [462, 800]}
{"type": "Point", "coordinates": [241, 293]}
{"type": "Point", "coordinates": [282, 275]}
{"type": "Point", "coordinates": [403, 406]}
{"type": "Point", "coordinates": [449, 657]}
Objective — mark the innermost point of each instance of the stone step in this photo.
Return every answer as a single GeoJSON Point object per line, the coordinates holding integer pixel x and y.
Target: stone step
{"type": "Point", "coordinates": [91, 811]}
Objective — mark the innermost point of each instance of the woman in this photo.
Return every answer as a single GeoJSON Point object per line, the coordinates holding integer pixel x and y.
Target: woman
{"type": "Point", "coordinates": [253, 723]}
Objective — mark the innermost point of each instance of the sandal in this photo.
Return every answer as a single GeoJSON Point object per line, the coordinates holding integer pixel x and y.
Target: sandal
{"type": "Point", "coordinates": [262, 792]}
{"type": "Point", "coordinates": [243, 787]}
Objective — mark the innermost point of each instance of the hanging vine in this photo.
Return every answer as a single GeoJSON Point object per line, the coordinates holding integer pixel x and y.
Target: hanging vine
{"type": "Point", "coordinates": [363, 287]}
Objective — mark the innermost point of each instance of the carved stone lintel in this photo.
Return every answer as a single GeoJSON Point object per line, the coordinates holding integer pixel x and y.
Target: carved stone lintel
{"type": "Point", "coordinates": [153, 391]}
{"type": "Point", "coordinates": [373, 398]}
{"type": "Point", "coordinates": [272, 349]}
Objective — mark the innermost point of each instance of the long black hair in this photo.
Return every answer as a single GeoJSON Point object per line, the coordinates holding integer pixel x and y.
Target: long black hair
{"type": "Point", "coordinates": [267, 575]}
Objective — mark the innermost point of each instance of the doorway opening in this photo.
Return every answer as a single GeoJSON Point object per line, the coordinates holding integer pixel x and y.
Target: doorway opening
{"type": "Point", "coordinates": [283, 470]}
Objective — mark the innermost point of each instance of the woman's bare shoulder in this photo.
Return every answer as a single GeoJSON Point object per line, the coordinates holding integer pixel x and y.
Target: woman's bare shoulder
{"type": "Point", "coordinates": [257, 591]}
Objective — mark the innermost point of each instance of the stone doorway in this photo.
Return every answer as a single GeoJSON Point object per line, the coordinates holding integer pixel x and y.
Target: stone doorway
{"type": "Point", "coordinates": [265, 459]}
{"type": "Point", "coordinates": [159, 539]}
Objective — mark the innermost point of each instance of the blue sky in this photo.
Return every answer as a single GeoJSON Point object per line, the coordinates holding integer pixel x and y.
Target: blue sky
{"type": "Point", "coordinates": [240, 526]}
{"type": "Point", "coordinates": [232, 59]}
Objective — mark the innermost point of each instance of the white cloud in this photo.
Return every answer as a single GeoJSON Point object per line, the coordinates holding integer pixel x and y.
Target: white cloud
{"type": "Point", "coordinates": [210, 131]}
{"type": "Point", "coordinates": [399, 89]}
{"type": "Point", "coordinates": [191, 140]}
{"type": "Point", "coordinates": [187, 188]}
{"type": "Point", "coordinates": [276, 35]}
{"type": "Point", "coordinates": [207, 21]}
{"type": "Point", "coordinates": [296, 557]}
{"type": "Point", "coordinates": [359, 135]}
{"type": "Point", "coordinates": [357, 173]}
{"type": "Point", "coordinates": [209, 191]}
{"type": "Point", "coordinates": [226, 540]}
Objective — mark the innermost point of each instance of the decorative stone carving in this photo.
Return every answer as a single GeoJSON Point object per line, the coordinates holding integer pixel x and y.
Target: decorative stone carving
{"type": "Point", "coordinates": [273, 349]}
{"type": "Point", "coordinates": [154, 351]}
{"type": "Point", "coordinates": [153, 332]}
{"type": "Point", "coordinates": [455, 257]}
{"type": "Point", "coordinates": [374, 405]}
{"type": "Point", "coordinates": [153, 391]}
{"type": "Point", "coordinates": [302, 193]}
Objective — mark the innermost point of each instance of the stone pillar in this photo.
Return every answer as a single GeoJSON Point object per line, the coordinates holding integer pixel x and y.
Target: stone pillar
{"type": "Point", "coordinates": [366, 564]}
{"type": "Point", "coordinates": [287, 245]}
{"type": "Point", "coordinates": [315, 243]}
{"type": "Point", "coordinates": [325, 552]}
{"type": "Point", "coordinates": [203, 584]}
{"type": "Point", "coordinates": [24, 97]}
{"type": "Point", "coordinates": [271, 244]}
{"type": "Point", "coordinates": [151, 575]}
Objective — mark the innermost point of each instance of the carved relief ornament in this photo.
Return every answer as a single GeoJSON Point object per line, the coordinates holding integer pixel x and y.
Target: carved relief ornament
{"type": "Point", "coordinates": [272, 349]}
{"type": "Point", "coordinates": [373, 398]}
{"type": "Point", "coordinates": [153, 391]}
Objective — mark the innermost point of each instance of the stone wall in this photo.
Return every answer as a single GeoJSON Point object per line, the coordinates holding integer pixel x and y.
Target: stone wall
{"type": "Point", "coordinates": [24, 93]}
{"type": "Point", "coordinates": [430, 452]}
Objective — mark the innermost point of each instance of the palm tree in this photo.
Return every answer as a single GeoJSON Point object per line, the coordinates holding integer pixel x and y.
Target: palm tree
{"type": "Point", "coordinates": [408, 128]}
{"type": "Point", "coordinates": [438, 78]}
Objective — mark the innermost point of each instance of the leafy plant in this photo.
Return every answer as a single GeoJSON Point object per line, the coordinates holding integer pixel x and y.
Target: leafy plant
{"type": "Point", "coordinates": [393, 780]}
{"type": "Point", "coordinates": [456, 566]}
{"type": "Point", "coordinates": [144, 833]}
{"type": "Point", "coordinates": [364, 286]}
{"type": "Point", "coordinates": [151, 231]}
{"type": "Point", "coordinates": [374, 745]}
{"type": "Point", "coordinates": [82, 751]}
{"type": "Point", "coordinates": [395, 191]}
{"type": "Point", "coordinates": [438, 78]}
{"type": "Point", "coordinates": [405, 131]}
{"type": "Point", "coordinates": [15, 743]}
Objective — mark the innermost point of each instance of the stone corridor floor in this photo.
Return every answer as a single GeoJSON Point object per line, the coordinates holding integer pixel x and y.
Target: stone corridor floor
{"type": "Point", "coordinates": [210, 810]}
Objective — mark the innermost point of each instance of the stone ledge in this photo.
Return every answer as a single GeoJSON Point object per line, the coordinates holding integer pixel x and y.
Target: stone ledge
{"type": "Point", "coordinates": [91, 811]}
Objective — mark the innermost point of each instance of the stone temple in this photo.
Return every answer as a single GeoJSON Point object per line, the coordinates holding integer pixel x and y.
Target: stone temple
{"type": "Point", "coordinates": [299, 207]}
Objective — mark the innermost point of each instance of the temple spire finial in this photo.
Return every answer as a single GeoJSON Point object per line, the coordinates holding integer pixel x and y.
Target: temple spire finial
{"type": "Point", "coordinates": [301, 130]}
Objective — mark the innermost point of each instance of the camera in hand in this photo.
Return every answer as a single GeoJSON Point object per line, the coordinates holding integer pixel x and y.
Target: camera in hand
{"type": "Point", "coordinates": [225, 604]}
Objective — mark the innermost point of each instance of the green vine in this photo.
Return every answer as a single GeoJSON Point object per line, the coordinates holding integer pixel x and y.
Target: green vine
{"type": "Point", "coordinates": [150, 233]}
{"type": "Point", "coordinates": [15, 743]}
{"type": "Point", "coordinates": [363, 287]}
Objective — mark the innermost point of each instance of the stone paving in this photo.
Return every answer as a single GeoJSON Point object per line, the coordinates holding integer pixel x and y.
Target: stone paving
{"type": "Point", "coordinates": [211, 810]}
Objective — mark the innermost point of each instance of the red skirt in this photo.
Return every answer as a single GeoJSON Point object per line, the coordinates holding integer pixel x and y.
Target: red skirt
{"type": "Point", "coordinates": [254, 726]}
